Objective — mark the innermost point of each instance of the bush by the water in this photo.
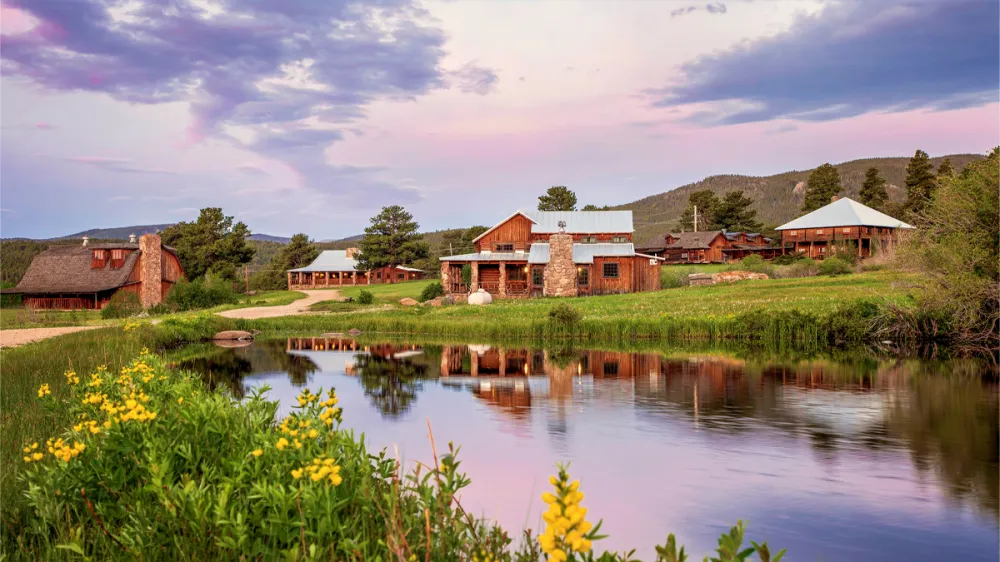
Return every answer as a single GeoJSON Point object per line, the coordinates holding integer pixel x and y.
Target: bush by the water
{"type": "Point", "coordinates": [565, 314]}
{"type": "Point", "coordinates": [201, 293]}
{"type": "Point", "coordinates": [156, 465]}
{"type": "Point", "coordinates": [366, 297]}
{"type": "Point", "coordinates": [834, 265]}
{"type": "Point", "coordinates": [431, 291]}
{"type": "Point", "coordinates": [123, 304]}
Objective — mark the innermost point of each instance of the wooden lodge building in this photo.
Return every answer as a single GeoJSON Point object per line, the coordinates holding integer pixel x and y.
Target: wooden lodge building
{"type": "Point", "coordinates": [554, 253]}
{"type": "Point", "coordinates": [87, 276]}
{"type": "Point", "coordinates": [333, 268]}
{"type": "Point", "coordinates": [710, 246]}
{"type": "Point", "coordinates": [821, 232]}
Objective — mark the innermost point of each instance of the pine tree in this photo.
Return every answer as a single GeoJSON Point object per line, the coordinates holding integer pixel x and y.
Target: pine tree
{"type": "Point", "coordinates": [391, 240]}
{"type": "Point", "coordinates": [945, 169]}
{"type": "Point", "coordinates": [298, 252]}
{"type": "Point", "coordinates": [211, 244]}
{"type": "Point", "coordinates": [873, 191]}
{"type": "Point", "coordinates": [920, 183]}
{"type": "Point", "coordinates": [706, 201]}
{"type": "Point", "coordinates": [734, 214]}
{"type": "Point", "coordinates": [822, 185]}
{"type": "Point", "coordinates": [557, 198]}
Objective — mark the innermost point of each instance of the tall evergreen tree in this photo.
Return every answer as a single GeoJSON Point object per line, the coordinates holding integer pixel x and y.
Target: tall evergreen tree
{"type": "Point", "coordinates": [391, 240]}
{"type": "Point", "coordinates": [211, 244]}
{"type": "Point", "coordinates": [706, 201]}
{"type": "Point", "coordinates": [734, 214]}
{"type": "Point", "coordinates": [920, 183]}
{"type": "Point", "coordinates": [873, 191]}
{"type": "Point", "coordinates": [822, 185]}
{"type": "Point", "coordinates": [557, 198]}
{"type": "Point", "coordinates": [945, 169]}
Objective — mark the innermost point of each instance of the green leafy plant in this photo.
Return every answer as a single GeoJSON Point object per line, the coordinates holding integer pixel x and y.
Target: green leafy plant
{"type": "Point", "coordinates": [565, 314]}
{"type": "Point", "coordinates": [201, 293]}
{"type": "Point", "coordinates": [123, 304]}
{"type": "Point", "coordinates": [366, 297]}
{"type": "Point", "coordinates": [431, 291]}
{"type": "Point", "coordinates": [835, 266]}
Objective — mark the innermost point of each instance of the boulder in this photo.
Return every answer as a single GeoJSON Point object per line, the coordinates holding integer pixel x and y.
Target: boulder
{"type": "Point", "coordinates": [695, 279]}
{"type": "Point", "coordinates": [354, 332]}
{"type": "Point", "coordinates": [408, 302]}
{"type": "Point", "coordinates": [239, 335]}
{"type": "Point", "coordinates": [733, 276]}
{"type": "Point", "coordinates": [232, 343]}
{"type": "Point", "coordinates": [333, 334]}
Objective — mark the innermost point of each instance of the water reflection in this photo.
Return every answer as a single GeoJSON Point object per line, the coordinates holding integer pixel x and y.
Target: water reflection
{"type": "Point", "coordinates": [866, 459]}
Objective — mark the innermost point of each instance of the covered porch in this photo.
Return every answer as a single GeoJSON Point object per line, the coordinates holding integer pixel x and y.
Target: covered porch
{"type": "Point", "coordinates": [324, 279]}
{"type": "Point", "coordinates": [500, 278]}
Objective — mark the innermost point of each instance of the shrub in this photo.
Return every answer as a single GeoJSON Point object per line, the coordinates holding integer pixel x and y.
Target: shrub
{"type": "Point", "coordinates": [848, 252]}
{"type": "Point", "coordinates": [431, 291]}
{"type": "Point", "coordinates": [564, 314]}
{"type": "Point", "coordinates": [123, 304]}
{"type": "Point", "coordinates": [753, 264]}
{"type": "Point", "coordinates": [672, 277]}
{"type": "Point", "coordinates": [804, 267]}
{"type": "Point", "coordinates": [467, 275]}
{"type": "Point", "coordinates": [789, 259]}
{"type": "Point", "coordinates": [835, 266]}
{"type": "Point", "coordinates": [201, 293]}
{"type": "Point", "coordinates": [160, 309]}
{"type": "Point", "coordinates": [366, 297]}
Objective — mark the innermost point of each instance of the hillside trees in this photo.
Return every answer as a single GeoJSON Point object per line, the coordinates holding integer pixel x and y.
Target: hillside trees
{"type": "Point", "coordinates": [706, 201]}
{"type": "Point", "coordinates": [734, 214]}
{"type": "Point", "coordinates": [592, 207]}
{"type": "Point", "coordinates": [945, 169]}
{"type": "Point", "coordinates": [392, 239]}
{"type": "Point", "coordinates": [211, 244]}
{"type": "Point", "coordinates": [873, 191]}
{"type": "Point", "coordinates": [298, 252]}
{"type": "Point", "coordinates": [920, 183]}
{"type": "Point", "coordinates": [822, 185]}
{"type": "Point", "coordinates": [557, 198]}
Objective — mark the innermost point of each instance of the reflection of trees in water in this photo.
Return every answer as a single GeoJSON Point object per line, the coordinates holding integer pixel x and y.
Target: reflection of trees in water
{"type": "Point", "coordinates": [298, 367]}
{"type": "Point", "coordinates": [225, 368]}
{"type": "Point", "coordinates": [221, 370]}
{"type": "Point", "coordinates": [390, 384]}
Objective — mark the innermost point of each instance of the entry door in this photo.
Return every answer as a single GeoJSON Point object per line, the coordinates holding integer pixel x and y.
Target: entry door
{"type": "Point", "coordinates": [537, 281]}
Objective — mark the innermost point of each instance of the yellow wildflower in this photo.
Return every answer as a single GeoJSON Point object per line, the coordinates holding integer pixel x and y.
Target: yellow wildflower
{"type": "Point", "coordinates": [44, 391]}
{"type": "Point", "coordinates": [257, 452]}
{"type": "Point", "coordinates": [281, 444]}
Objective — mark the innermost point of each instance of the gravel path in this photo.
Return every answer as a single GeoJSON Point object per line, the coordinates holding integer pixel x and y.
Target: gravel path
{"type": "Point", "coordinates": [14, 338]}
{"type": "Point", "coordinates": [300, 306]}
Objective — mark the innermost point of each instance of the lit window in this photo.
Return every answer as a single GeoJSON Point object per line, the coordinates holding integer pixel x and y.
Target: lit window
{"type": "Point", "coordinates": [537, 277]}
{"type": "Point", "coordinates": [610, 271]}
{"type": "Point", "coordinates": [583, 276]}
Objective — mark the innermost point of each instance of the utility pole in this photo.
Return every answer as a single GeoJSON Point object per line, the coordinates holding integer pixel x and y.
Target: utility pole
{"type": "Point", "coordinates": [696, 218]}
{"type": "Point", "coordinates": [246, 276]}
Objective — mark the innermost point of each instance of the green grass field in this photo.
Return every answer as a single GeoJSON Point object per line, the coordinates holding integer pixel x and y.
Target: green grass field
{"type": "Point", "coordinates": [389, 293]}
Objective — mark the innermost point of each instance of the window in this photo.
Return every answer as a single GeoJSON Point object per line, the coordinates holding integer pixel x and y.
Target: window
{"type": "Point", "coordinates": [619, 239]}
{"type": "Point", "coordinates": [378, 275]}
{"type": "Point", "coordinates": [684, 255]}
{"type": "Point", "coordinates": [503, 247]}
{"type": "Point", "coordinates": [583, 276]}
{"type": "Point", "coordinates": [588, 239]}
{"type": "Point", "coordinates": [610, 270]}
{"type": "Point", "coordinates": [793, 232]}
{"type": "Point", "coordinates": [846, 231]}
{"type": "Point", "coordinates": [537, 278]}
{"type": "Point", "coordinates": [822, 249]}
{"type": "Point", "coordinates": [819, 231]}
{"type": "Point", "coordinates": [401, 276]}
{"type": "Point", "coordinates": [97, 259]}
{"type": "Point", "coordinates": [610, 368]}
{"type": "Point", "coordinates": [117, 258]}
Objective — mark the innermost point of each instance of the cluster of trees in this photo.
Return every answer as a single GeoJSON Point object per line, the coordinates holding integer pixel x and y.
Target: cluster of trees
{"type": "Point", "coordinates": [211, 245]}
{"type": "Point", "coordinates": [732, 213]}
{"type": "Point", "coordinates": [561, 198]}
{"type": "Point", "coordinates": [921, 182]}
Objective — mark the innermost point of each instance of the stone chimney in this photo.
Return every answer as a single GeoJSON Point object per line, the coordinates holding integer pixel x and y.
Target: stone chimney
{"type": "Point", "coordinates": [834, 198]}
{"type": "Point", "coordinates": [560, 272]}
{"type": "Point", "coordinates": [131, 238]}
{"type": "Point", "coordinates": [352, 252]}
{"type": "Point", "coordinates": [86, 240]}
{"type": "Point", "coordinates": [151, 264]}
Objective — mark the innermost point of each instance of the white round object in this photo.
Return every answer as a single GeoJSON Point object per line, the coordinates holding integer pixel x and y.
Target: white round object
{"type": "Point", "coordinates": [478, 349]}
{"type": "Point", "coordinates": [480, 297]}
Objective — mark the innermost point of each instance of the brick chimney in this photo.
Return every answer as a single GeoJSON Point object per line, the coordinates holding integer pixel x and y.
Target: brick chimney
{"type": "Point", "coordinates": [352, 252]}
{"type": "Point", "coordinates": [151, 264]}
{"type": "Point", "coordinates": [560, 272]}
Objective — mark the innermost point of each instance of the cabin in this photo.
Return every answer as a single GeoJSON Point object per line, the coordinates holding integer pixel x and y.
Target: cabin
{"type": "Point", "coordinates": [334, 268]}
{"type": "Point", "coordinates": [844, 221]}
{"type": "Point", "coordinates": [553, 253]}
{"type": "Point", "coordinates": [710, 246]}
{"type": "Point", "coordinates": [88, 275]}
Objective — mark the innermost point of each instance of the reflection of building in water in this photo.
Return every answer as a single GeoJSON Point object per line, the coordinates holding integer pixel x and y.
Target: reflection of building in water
{"type": "Point", "coordinates": [512, 396]}
{"type": "Point", "coordinates": [323, 344]}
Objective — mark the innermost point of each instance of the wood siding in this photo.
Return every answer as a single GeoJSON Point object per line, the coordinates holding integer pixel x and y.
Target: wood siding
{"type": "Point", "coordinates": [515, 230]}
{"type": "Point", "coordinates": [600, 285]}
{"type": "Point", "coordinates": [645, 275]}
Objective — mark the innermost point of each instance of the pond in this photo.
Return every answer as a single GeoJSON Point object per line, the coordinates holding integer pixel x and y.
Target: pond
{"type": "Point", "coordinates": [834, 459]}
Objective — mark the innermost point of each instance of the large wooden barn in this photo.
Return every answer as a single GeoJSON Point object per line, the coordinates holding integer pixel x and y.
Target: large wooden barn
{"type": "Point", "coordinates": [334, 268]}
{"type": "Point", "coordinates": [709, 246]}
{"type": "Point", "coordinates": [844, 221]}
{"type": "Point", "coordinates": [558, 253]}
{"type": "Point", "coordinates": [88, 275]}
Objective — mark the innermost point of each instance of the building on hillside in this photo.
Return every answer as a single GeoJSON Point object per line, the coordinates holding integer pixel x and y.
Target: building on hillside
{"type": "Point", "coordinates": [333, 268]}
{"type": "Point", "coordinates": [844, 221]}
{"type": "Point", "coordinates": [710, 246]}
{"type": "Point", "coordinates": [554, 253]}
{"type": "Point", "coordinates": [88, 275]}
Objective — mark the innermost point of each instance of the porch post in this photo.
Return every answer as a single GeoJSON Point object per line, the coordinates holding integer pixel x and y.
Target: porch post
{"type": "Point", "coordinates": [474, 362]}
{"type": "Point", "coordinates": [474, 281]}
{"type": "Point", "coordinates": [289, 274]}
{"type": "Point", "coordinates": [503, 279]}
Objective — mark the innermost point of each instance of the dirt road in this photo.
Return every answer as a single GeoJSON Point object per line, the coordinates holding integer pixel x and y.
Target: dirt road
{"type": "Point", "coordinates": [14, 338]}
{"type": "Point", "coordinates": [300, 306]}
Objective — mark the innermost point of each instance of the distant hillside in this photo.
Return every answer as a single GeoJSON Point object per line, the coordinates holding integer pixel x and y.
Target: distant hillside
{"type": "Point", "coordinates": [123, 232]}
{"type": "Point", "coordinates": [778, 199]}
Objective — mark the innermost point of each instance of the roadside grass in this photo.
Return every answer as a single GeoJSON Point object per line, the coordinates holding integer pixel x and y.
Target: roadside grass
{"type": "Point", "coordinates": [18, 318]}
{"type": "Point", "coordinates": [385, 293]}
{"type": "Point", "coordinates": [782, 309]}
{"type": "Point", "coordinates": [263, 298]}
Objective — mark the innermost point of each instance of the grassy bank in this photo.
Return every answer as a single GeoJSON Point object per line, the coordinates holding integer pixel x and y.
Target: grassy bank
{"type": "Point", "coordinates": [803, 310]}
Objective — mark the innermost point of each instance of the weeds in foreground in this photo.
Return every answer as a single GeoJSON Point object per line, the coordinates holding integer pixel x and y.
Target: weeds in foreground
{"type": "Point", "coordinates": [155, 467]}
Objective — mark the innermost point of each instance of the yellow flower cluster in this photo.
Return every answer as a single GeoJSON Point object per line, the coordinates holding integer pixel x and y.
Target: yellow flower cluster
{"type": "Point", "coordinates": [32, 454]}
{"type": "Point", "coordinates": [44, 391]}
{"type": "Point", "coordinates": [89, 425]}
{"type": "Point", "coordinates": [131, 325]}
{"type": "Point", "coordinates": [63, 451]}
{"type": "Point", "coordinates": [329, 413]}
{"type": "Point", "coordinates": [482, 556]}
{"type": "Point", "coordinates": [94, 398]}
{"type": "Point", "coordinates": [306, 397]}
{"type": "Point", "coordinates": [283, 444]}
{"type": "Point", "coordinates": [71, 377]}
{"type": "Point", "coordinates": [567, 530]}
{"type": "Point", "coordinates": [321, 468]}
{"type": "Point", "coordinates": [95, 378]}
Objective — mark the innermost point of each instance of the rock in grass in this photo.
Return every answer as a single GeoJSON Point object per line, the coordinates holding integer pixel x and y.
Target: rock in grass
{"type": "Point", "coordinates": [408, 302]}
{"type": "Point", "coordinates": [240, 335]}
{"type": "Point", "coordinates": [354, 332]}
{"type": "Point", "coordinates": [333, 334]}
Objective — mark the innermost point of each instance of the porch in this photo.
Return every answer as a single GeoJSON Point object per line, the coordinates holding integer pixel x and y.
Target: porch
{"type": "Point", "coordinates": [325, 279]}
{"type": "Point", "coordinates": [500, 279]}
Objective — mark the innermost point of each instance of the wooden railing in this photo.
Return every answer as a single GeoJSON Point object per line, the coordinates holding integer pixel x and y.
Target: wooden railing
{"type": "Point", "coordinates": [833, 237]}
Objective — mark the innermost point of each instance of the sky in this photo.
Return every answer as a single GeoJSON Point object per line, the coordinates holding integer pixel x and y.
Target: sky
{"type": "Point", "coordinates": [309, 116]}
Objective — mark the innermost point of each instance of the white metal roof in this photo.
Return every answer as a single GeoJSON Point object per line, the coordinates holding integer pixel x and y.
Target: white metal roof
{"type": "Point", "coordinates": [582, 253]}
{"type": "Point", "coordinates": [577, 222]}
{"type": "Point", "coordinates": [844, 212]}
{"type": "Point", "coordinates": [488, 256]}
{"type": "Point", "coordinates": [330, 260]}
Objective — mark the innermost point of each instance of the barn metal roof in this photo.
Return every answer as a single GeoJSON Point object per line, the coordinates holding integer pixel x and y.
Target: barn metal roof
{"type": "Point", "coordinates": [577, 222]}
{"type": "Point", "coordinates": [844, 212]}
{"type": "Point", "coordinates": [582, 253]}
{"type": "Point", "coordinates": [488, 256]}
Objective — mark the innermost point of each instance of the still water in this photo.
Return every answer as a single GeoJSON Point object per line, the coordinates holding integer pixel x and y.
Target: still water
{"type": "Point", "coordinates": [854, 459]}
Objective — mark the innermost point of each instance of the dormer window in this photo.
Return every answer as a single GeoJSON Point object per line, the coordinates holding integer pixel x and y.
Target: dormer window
{"type": "Point", "coordinates": [98, 258]}
{"type": "Point", "coordinates": [118, 258]}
